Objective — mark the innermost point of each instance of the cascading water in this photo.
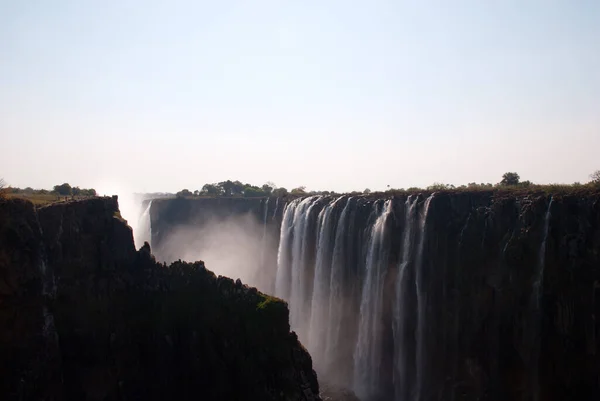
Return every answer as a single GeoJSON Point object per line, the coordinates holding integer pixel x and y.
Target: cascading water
{"type": "Point", "coordinates": [360, 282]}
{"type": "Point", "coordinates": [402, 360]}
{"type": "Point", "coordinates": [537, 285]}
{"type": "Point", "coordinates": [284, 264]}
{"type": "Point", "coordinates": [421, 357]}
{"type": "Point", "coordinates": [264, 234]}
{"type": "Point", "coordinates": [367, 356]}
{"type": "Point", "coordinates": [143, 231]}
{"type": "Point", "coordinates": [336, 300]}
{"type": "Point", "coordinates": [320, 299]}
{"type": "Point", "coordinates": [275, 209]}
{"type": "Point", "coordinates": [299, 298]}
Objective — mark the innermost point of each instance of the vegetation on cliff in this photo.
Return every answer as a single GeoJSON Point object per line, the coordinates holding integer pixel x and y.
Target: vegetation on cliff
{"type": "Point", "coordinates": [44, 196]}
{"type": "Point", "coordinates": [511, 181]}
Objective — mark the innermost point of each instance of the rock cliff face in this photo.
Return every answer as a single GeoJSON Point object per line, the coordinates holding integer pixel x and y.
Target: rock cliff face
{"type": "Point", "coordinates": [450, 296]}
{"type": "Point", "coordinates": [84, 316]}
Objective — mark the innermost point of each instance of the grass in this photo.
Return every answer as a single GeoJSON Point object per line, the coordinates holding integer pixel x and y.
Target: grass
{"type": "Point", "coordinates": [41, 199]}
{"type": "Point", "coordinates": [37, 199]}
{"type": "Point", "coordinates": [267, 301]}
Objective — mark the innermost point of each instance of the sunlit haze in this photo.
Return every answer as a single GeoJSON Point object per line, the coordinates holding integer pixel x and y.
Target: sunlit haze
{"type": "Point", "coordinates": [335, 95]}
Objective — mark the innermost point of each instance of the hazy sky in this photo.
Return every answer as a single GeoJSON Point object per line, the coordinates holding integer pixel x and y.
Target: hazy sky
{"type": "Point", "coordinates": [342, 95]}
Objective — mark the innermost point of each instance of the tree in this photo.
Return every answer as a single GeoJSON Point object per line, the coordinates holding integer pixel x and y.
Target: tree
{"type": "Point", "coordinates": [253, 192]}
{"type": "Point", "coordinates": [76, 191]}
{"type": "Point", "coordinates": [595, 176]}
{"type": "Point", "coordinates": [439, 186]}
{"type": "Point", "coordinates": [367, 191]}
{"type": "Point", "coordinates": [279, 192]}
{"type": "Point", "coordinates": [232, 188]}
{"type": "Point", "coordinates": [299, 191]}
{"type": "Point", "coordinates": [267, 189]}
{"type": "Point", "coordinates": [183, 193]}
{"type": "Point", "coordinates": [510, 179]}
{"type": "Point", "coordinates": [211, 190]}
{"type": "Point", "coordinates": [63, 189]}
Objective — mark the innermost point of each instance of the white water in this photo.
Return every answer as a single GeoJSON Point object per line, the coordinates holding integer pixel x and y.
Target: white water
{"type": "Point", "coordinates": [336, 300]}
{"type": "Point", "coordinates": [319, 317]}
{"type": "Point", "coordinates": [368, 352]}
{"type": "Point", "coordinates": [421, 306]}
{"type": "Point", "coordinates": [142, 230]}
{"type": "Point", "coordinates": [402, 384]}
{"type": "Point", "coordinates": [264, 235]}
{"type": "Point", "coordinates": [299, 300]}
{"type": "Point", "coordinates": [284, 275]}
{"type": "Point", "coordinates": [537, 285]}
{"type": "Point", "coordinates": [276, 209]}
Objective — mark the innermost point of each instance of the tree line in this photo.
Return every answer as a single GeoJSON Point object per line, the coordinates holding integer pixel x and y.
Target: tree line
{"type": "Point", "coordinates": [229, 188]}
{"type": "Point", "coordinates": [238, 189]}
{"type": "Point", "coordinates": [59, 190]}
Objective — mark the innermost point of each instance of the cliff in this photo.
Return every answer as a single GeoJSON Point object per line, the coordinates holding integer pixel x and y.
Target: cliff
{"type": "Point", "coordinates": [84, 316]}
{"type": "Point", "coordinates": [512, 287]}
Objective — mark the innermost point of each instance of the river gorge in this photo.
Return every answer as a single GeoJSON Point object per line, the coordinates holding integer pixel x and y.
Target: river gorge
{"type": "Point", "coordinates": [436, 296]}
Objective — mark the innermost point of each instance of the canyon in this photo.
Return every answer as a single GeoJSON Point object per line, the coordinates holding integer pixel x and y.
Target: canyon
{"type": "Point", "coordinates": [483, 295]}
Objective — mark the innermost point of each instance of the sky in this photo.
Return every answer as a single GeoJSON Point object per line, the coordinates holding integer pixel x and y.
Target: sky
{"type": "Point", "coordinates": [332, 95]}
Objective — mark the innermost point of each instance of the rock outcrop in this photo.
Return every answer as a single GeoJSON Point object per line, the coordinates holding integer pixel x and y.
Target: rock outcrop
{"type": "Point", "coordinates": [84, 316]}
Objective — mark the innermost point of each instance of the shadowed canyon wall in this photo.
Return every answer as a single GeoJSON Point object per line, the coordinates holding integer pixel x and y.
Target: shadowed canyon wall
{"type": "Point", "coordinates": [84, 316]}
{"type": "Point", "coordinates": [453, 296]}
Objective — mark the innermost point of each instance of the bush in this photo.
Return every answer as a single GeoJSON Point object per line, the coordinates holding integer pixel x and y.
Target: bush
{"type": "Point", "coordinates": [63, 189]}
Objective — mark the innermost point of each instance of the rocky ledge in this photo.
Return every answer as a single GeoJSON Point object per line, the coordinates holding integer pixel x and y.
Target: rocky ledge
{"type": "Point", "coordinates": [84, 316]}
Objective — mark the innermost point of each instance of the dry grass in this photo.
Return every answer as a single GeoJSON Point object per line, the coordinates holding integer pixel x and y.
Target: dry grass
{"type": "Point", "coordinates": [38, 199]}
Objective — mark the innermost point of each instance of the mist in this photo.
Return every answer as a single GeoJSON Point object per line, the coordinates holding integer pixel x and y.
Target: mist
{"type": "Point", "coordinates": [131, 207]}
{"type": "Point", "coordinates": [236, 247]}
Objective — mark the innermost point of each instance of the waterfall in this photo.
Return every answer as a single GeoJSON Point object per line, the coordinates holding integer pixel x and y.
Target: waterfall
{"type": "Point", "coordinates": [283, 276]}
{"type": "Point", "coordinates": [276, 209]}
{"type": "Point", "coordinates": [536, 302]}
{"type": "Point", "coordinates": [298, 298]}
{"type": "Point", "coordinates": [264, 235]}
{"type": "Point", "coordinates": [368, 352]}
{"type": "Point", "coordinates": [319, 317]}
{"type": "Point", "coordinates": [143, 229]}
{"type": "Point", "coordinates": [422, 306]}
{"type": "Point", "coordinates": [336, 300]}
{"type": "Point", "coordinates": [538, 284]}
{"type": "Point", "coordinates": [401, 324]}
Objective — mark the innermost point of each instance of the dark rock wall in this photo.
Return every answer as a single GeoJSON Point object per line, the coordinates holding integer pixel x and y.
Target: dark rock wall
{"type": "Point", "coordinates": [485, 337]}
{"type": "Point", "coordinates": [30, 364]}
{"type": "Point", "coordinates": [83, 316]}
